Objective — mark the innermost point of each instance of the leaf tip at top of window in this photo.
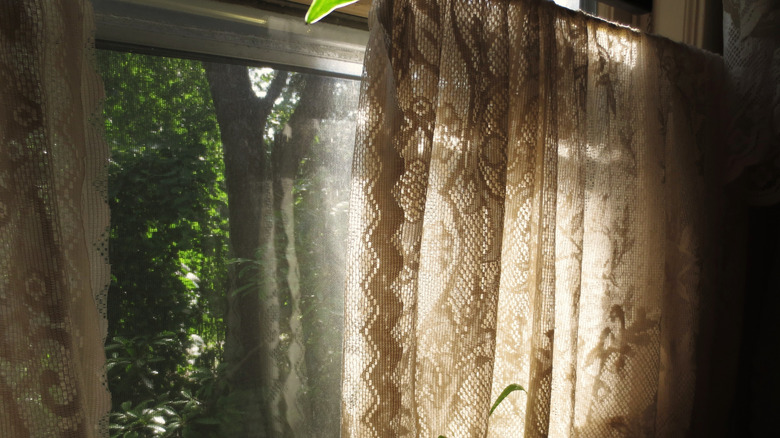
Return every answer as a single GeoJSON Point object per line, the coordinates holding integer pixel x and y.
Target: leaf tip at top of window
{"type": "Point", "coordinates": [319, 9]}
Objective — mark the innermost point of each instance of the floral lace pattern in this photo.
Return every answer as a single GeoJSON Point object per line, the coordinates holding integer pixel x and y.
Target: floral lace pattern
{"type": "Point", "coordinates": [535, 200]}
{"type": "Point", "coordinates": [53, 224]}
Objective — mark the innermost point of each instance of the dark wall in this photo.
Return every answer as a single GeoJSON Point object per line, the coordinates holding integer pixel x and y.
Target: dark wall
{"type": "Point", "coordinates": [757, 402]}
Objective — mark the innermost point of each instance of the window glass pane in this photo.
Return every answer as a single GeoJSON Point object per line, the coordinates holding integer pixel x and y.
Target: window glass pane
{"type": "Point", "coordinates": [228, 189]}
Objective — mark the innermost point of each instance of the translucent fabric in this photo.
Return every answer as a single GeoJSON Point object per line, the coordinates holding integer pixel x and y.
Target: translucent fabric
{"type": "Point", "coordinates": [535, 200]}
{"type": "Point", "coordinates": [53, 222]}
{"type": "Point", "coordinates": [751, 52]}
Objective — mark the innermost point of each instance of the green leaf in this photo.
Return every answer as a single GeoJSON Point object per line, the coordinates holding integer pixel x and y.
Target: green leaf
{"type": "Point", "coordinates": [320, 8]}
{"type": "Point", "coordinates": [157, 429]}
{"type": "Point", "coordinates": [508, 390]}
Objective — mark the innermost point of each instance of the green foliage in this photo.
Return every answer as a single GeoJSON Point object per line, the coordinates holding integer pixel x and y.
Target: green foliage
{"type": "Point", "coordinates": [145, 419]}
{"type": "Point", "coordinates": [319, 9]}
{"type": "Point", "coordinates": [134, 362]}
{"type": "Point", "coordinates": [168, 242]}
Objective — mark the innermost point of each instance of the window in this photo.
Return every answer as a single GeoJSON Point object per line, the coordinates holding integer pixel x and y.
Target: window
{"type": "Point", "coordinates": [228, 188]}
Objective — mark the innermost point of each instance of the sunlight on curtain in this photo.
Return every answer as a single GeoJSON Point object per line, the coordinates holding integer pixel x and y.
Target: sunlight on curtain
{"type": "Point", "coordinates": [535, 200]}
{"type": "Point", "coordinates": [53, 219]}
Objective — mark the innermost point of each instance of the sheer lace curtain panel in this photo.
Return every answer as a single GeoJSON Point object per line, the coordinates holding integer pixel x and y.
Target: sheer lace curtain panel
{"type": "Point", "coordinates": [537, 198]}
{"type": "Point", "coordinates": [53, 220]}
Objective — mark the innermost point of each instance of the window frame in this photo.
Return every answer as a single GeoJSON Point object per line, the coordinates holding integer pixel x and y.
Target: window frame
{"type": "Point", "coordinates": [274, 37]}
{"type": "Point", "coordinates": [206, 29]}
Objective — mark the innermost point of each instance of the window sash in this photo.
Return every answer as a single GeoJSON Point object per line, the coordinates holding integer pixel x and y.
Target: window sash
{"type": "Point", "coordinates": [205, 28]}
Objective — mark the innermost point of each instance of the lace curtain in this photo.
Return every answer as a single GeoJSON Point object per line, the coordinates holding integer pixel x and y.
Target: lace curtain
{"type": "Point", "coordinates": [53, 219]}
{"type": "Point", "coordinates": [751, 52]}
{"type": "Point", "coordinates": [537, 199]}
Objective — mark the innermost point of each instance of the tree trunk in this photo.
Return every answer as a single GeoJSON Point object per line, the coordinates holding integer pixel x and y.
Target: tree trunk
{"type": "Point", "coordinates": [264, 347]}
{"type": "Point", "coordinates": [252, 318]}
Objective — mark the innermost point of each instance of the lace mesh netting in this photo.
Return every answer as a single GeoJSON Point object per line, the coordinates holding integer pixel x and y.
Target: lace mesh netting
{"type": "Point", "coordinates": [535, 200]}
{"type": "Point", "coordinates": [53, 219]}
{"type": "Point", "coordinates": [751, 52]}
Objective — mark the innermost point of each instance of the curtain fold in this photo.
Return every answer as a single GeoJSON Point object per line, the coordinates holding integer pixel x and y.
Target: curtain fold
{"type": "Point", "coordinates": [537, 198]}
{"type": "Point", "coordinates": [53, 224]}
